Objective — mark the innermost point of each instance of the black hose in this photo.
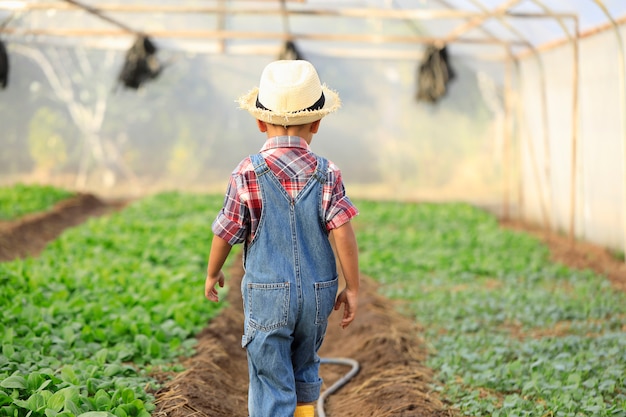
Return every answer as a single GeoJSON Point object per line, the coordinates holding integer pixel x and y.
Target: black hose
{"type": "Point", "coordinates": [340, 383]}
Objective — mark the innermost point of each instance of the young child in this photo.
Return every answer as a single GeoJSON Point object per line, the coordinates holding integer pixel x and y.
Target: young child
{"type": "Point", "coordinates": [283, 204]}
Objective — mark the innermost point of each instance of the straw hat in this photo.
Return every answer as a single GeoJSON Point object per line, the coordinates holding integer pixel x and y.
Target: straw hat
{"type": "Point", "coordinates": [290, 93]}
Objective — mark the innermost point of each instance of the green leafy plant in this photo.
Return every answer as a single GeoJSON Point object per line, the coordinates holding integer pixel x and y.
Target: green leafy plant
{"type": "Point", "coordinates": [511, 333]}
{"type": "Point", "coordinates": [20, 199]}
{"type": "Point", "coordinates": [84, 323]}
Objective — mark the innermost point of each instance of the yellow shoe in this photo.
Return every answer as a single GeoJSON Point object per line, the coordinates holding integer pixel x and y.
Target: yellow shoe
{"type": "Point", "coordinates": [305, 411]}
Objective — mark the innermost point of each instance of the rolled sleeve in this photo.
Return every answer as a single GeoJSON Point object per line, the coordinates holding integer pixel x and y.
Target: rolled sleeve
{"type": "Point", "coordinates": [343, 213]}
{"type": "Point", "coordinates": [232, 222]}
{"type": "Point", "coordinates": [340, 208]}
{"type": "Point", "coordinates": [229, 230]}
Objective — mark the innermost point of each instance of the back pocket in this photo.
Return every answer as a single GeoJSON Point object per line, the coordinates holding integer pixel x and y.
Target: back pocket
{"type": "Point", "coordinates": [325, 295]}
{"type": "Point", "coordinates": [268, 305]}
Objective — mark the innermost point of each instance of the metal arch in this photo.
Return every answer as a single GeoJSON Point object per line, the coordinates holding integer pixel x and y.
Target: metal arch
{"type": "Point", "coordinates": [622, 97]}
{"type": "Point", "coordinates": [477, 22]}
{"type": "Point", "coordinates": [547, 218]}
{"type": "Point", "coordinates": [545, 209]}
{"type": "Point", "coordinates": [575, 110]}
{"type": "Point", "coordinates": [531, 47]}
{"type": "Point", "coordinates": [94, 11]}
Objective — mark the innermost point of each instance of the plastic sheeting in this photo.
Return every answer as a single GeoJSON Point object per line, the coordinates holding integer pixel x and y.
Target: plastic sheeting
{"type": "Point", "coordinates": [502, 136]}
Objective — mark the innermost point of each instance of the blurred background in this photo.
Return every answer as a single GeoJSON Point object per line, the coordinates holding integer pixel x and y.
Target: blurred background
{"type": "Point", "coordinates": [523, 113]}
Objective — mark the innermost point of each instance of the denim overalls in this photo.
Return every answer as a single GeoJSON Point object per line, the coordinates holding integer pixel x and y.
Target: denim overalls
{"type": "Point", "coordinates": [289, 289]}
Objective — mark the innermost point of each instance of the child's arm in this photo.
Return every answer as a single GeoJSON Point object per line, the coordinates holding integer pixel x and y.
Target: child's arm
{"type": "Point", "coordinates": [214, 275]}
{"type": "Point", "coordinates": [347, 252]}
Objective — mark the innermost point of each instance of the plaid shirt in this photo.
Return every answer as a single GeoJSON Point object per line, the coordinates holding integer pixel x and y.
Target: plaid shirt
{"type": "Point", "coordinates": [291, 161]}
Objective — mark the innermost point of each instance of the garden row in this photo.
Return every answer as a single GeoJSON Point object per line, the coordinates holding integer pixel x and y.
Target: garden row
{"type": "Point", "coordinates": [21, 199]}
{"type": "Point", "coordinates": [510, 332]}
{"type": "Point", "coordinates": [85, 323]}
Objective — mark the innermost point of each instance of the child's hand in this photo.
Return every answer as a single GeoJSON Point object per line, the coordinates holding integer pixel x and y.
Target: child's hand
{"type": "Point", "coordinates": [349, 298]}
{"type": "Point", "coordinates": [209, 286]}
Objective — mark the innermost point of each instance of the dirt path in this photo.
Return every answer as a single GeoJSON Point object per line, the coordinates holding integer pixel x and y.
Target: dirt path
{"type": "Point", "coordinates": [393, 380]}
{"type": "Point", "coordinates": [579, 255]}
{"type": "Point", "coordinates": [29, 235]}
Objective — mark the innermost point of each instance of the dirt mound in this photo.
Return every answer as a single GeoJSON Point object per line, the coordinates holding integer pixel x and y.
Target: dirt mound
{"type": "Point", "coordinates": [392, 381]}
{"type": "Point", "coordinates": [28, 235]}
{"type": "Point", "coordinates": [577, 254]}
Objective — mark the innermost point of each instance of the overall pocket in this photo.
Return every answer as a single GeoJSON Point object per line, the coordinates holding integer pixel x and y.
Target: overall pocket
{"type": "Point", "coordinates": [268, 305]}
{"type": "Point", "coordinates": [325, 295]}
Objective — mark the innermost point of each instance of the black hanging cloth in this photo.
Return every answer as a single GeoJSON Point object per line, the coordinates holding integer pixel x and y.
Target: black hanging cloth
{"type": "Point", "coordinates": [290, 51]}
{"type": "Point", "coordinates": [4, 66]}
{"type": "Point", "coordinates": [434, 74]}
{"type": "Point", "coordinates": [141, 63]}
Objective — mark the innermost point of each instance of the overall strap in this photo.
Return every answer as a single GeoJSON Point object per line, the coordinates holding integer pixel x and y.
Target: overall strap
{"type": "Point", "coordinates": [260, 166]}
{"type": "Point", "coordinates": [321, 170]}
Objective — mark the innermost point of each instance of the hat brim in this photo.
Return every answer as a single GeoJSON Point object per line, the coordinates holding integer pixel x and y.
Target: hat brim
{"type": "Point", "coordinates": [331, 104]}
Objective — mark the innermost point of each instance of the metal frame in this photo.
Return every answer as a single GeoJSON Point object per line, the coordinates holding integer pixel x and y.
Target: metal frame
{"type": "Point", "coordinates": [472, 19]}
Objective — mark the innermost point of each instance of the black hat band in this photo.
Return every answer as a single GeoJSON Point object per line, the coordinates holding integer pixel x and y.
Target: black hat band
{"type": "Point", "coordinates": [316, 106]}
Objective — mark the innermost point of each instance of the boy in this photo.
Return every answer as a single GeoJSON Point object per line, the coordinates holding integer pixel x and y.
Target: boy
{"type": "Point", "coordinates": [284, 203]}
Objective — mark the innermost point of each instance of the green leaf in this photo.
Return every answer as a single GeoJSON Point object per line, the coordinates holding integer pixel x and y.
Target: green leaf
{"type": "Point", "coordinates": [130, 409]}
{"type": "Point", "coordinates": [574, 378]}
{"type": "Point", "coordinates": [36, 403]}
{"type": "Point", "coordinates": [68, 375]}
{"type": "Point", "coordinates": [96, 414]}
{"type": "Point", "coordinates": [44, 384]}
{"type": "Point", "coordinates": [72, 407]}
{"type": "Point", "coordinates": [113, 369]}
{"type": "Point", "coordinates": [14, 382]}
{"type": "Point", "coordinates": [5, 399]}
{"type": "Point", "coordinates": [101, 356]}
{"type": "Point", "coordinates": [34, 381]}
{"type": "Point", "coordinates": [142, 342]}
{"type": "Point", "coordinates": [120, 412]}
{"type": "Point", "coordinates": [103, 400]}
{"type": "Point", "coordinates": [21, 404]}
{"type": "Point", "coordinates": [155, 349]}
{"type": "Point", "coordinates": [50, 412]}
{"type": "Point", "coordinates": [8, 350]}
{"type": "Point", "coordinates": [57, 401]}
{"type": "Point", "coordinates": [128, 395]}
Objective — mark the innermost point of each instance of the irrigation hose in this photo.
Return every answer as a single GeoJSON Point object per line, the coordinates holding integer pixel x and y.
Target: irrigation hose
{"type": "Point", "coordinates": [340, 383]}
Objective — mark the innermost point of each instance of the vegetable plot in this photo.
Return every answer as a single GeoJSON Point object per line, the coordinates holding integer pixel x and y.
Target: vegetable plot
{"type": "Point", "coordinates": [84, 324]}
{"type": "Point", "coordinates": [21, 199]}
{"type": "Point", "coordinates": [511, 333]}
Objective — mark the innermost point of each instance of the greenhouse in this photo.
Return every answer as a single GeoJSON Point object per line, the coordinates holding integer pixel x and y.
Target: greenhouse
{"type": "Point", "coordinates": [482, 141]}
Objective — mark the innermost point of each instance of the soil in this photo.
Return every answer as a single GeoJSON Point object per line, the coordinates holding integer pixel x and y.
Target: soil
{"type": "Point", "coordinates": [28, 235]}
{"type": "Point", "coordinates": [393, 379]}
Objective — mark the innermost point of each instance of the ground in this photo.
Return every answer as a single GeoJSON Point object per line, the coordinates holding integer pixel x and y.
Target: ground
{"type": "Point", "coordinates": [392, 381]}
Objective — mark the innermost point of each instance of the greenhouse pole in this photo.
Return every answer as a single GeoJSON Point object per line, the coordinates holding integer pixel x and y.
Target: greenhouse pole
{"type": "Point", "coordinates": [622, 105]}
{"type": "Point", "coordinates": [520, 134]}
{"type": "Point", "coordinates": [506, 163]}
{"type": "Point", "coordinates": [575, 71]}
{"type": "Point", "coordinates": [545, 211]}
{"type": "Point", "coordinates": [575, 39]}
{"type": "Point", "coordinates": [547, 156]}
{"type": "Point", "coordinates": [622, 102]}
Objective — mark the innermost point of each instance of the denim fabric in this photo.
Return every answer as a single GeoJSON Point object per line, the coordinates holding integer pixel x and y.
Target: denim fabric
{"type": "Point", "coordinates": [289, 289]}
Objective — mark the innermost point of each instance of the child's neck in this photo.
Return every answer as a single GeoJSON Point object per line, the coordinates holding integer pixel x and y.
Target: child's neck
{"type": "Point", "coordinates": [300, 131]}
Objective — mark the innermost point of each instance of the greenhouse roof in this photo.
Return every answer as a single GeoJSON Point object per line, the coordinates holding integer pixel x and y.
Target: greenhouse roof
{"type": "Point", "coordinates": [490, 29]}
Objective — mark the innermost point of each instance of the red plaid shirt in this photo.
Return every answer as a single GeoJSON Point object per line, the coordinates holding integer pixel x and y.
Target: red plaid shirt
{"type": "Point", "coordinates": [291, 161]}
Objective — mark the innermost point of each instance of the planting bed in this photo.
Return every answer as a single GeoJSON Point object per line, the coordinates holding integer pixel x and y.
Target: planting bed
{"type": "Point", "coordinates": [394, 379]}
